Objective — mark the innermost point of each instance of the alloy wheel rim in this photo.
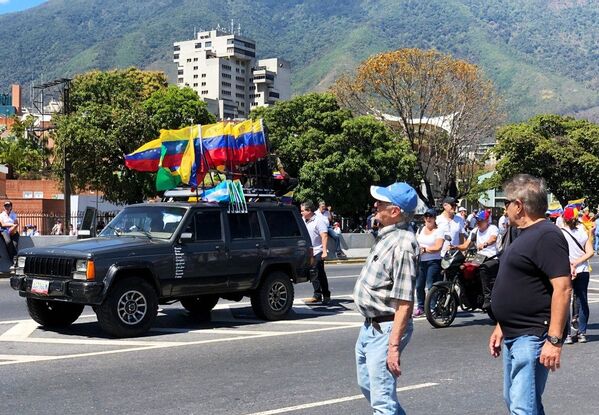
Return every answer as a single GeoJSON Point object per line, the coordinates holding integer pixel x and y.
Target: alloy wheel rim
{"type": "Point", "coordinates": [277, 296]}
{"type": "Point", "coordinates": [132, 307]}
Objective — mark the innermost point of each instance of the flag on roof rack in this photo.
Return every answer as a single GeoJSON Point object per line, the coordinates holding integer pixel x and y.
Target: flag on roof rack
{"type": "Point", "coordinates": [186, 155]}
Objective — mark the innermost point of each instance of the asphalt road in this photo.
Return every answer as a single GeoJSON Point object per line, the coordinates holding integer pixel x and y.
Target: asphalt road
{"type": "Point", "coordinates": [240, 366]}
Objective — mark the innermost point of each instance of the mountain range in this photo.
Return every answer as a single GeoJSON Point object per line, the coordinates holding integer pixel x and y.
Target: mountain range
{"type": "Point", "coordinates": [541, 54]}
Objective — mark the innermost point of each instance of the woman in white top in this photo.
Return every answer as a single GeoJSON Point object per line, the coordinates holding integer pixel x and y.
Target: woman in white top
{"type": "Point", "coordinates": [430, 239]}
{"type": "Point", "coordinates": [580, 248]}
{"type": "Point", "coordinates": [485, 237]}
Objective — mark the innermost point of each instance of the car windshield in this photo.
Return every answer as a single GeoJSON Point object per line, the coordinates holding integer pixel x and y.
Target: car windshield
{"type": "Point", "coordinates": [158, 222]}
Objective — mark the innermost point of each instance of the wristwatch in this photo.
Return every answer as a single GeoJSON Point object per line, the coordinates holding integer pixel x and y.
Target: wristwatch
{"type": "Point", "coordinates": [554, 340]}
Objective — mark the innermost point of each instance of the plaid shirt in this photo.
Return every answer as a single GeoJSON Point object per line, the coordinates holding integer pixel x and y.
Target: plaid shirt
{"type": "Point", "coordinates": [389, 272]}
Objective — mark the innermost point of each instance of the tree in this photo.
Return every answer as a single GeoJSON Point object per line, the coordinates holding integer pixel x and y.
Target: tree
{"type": "Point", "coordinates": [560, 149]}
{"type": "Point", "coordinates": [24, 160]}
{"type": "Point", "coordinates": [112, 114]}
{"type": "Point", "coordinates": [444, 107]}
{"type": "Point", "coordinates": [336, 157]}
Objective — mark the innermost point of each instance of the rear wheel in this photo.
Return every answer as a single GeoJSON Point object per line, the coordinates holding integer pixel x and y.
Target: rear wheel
{"type": "Point", "coordinates": [273, 298]}
{"type": "Point", "coordinates": [53, 313]}
{"type": "Point", "coordinates": [201, 304]}
{"type": "Point", "coordinates": [440, 306]}
{"type": "Point", "coordinates": [129, 309]}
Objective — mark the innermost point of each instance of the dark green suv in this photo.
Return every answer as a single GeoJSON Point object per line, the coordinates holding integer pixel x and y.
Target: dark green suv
{"type": "Point", "coordinates": [158, 253]}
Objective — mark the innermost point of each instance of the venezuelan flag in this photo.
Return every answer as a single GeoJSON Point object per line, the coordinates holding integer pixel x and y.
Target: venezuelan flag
{"type": "Point", "coordinates": [145, 158]}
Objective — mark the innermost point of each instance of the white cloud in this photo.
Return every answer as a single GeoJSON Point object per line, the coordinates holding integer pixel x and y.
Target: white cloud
{"type": "Point", "coordinates": [4, 1]}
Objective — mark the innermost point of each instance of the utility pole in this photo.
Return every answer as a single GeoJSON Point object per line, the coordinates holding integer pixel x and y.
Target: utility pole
{"type": "Point", "coordinates": [67, 163]}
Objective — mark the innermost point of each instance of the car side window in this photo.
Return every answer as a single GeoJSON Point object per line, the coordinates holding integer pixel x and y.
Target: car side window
{"type": "Point", "coordinates": [245, 225]}
{"type": "Point", "coordinates": [281, 224]}
{"type": "Point", "coordinates": [207, 226]}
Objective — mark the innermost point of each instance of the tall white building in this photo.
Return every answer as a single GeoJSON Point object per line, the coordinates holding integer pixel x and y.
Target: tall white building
{"type": "Point", "coordinates": [222, 68]}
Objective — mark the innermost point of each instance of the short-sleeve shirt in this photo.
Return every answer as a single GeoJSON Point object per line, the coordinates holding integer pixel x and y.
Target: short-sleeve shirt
{"type": "Point", "coordinates": [389, 272]}
{"type": "Point", "coordinates": [8, 218]}
{"type": "Point", "coordinates": [521, 296]}
{"type": "Point", "coordinates": [452, 227]}
{"type": "Point", "coordinates": [427, 241]}
{"type": "Point", "coordinates": [483, 237]}
{"type": "Point", "coordinates": [316, 226]}
{"type": "Point", "coordinates": [580, 234]}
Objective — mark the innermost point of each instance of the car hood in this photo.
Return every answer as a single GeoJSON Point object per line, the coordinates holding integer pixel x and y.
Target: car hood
{"type": "Point", "coordinates": [94, 246]}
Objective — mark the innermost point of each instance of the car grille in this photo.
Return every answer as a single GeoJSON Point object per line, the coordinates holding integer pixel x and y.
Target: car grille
{"type": "Point", "coordinates": [60, 267]}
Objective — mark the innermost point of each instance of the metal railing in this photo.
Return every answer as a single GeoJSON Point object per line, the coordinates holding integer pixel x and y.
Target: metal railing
{"type": "Point", "coordinates": [46, 222]}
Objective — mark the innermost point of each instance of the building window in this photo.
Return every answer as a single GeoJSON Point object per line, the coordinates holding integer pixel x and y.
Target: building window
{"type": "Point", "coordinates": [223, 92]}
{"type": "Point", "coordinates": [189, 60]}
{"type": "Point", "coordinates": [195, 59]}
{"type": "Point", "coordinates": [208, 44]}
{"type": "Point", "coordinates": [195, 76]}
{"type": "Point", "coordinates": [223, 83]}
{"type": "Point", "coordinates": [226, 75]}
{"type": "Point", "coordinates": [240, 95]}
{"type": "Point", "coordinates": [237, 70]}
{"type": "Point", "coordinates": [242, 104]}
{"type": "Point", "coordinates": [242, 70]}
{"type": "Point", "coordinates": [227, 67]}
{"type": "Point", "coordinates": [240, 87]}
{"type": "Point", "coordinates": [203, 75]}
{"type": "Point", "coordinates": [273, 95]}
{"type": "Point", "coordinates": [204, 92]}
{"type": "Point", "coordinates": [198, 45]}
{"type": "Point", "coordinates": [240, 78]}
{"type": "Point", "coordinates": [195, 84]}
{"type": "Point", "coordinates": [203, 83]}
{"type": "Point", "coordinates": [176, 56]}
{"type": "Point", "coordinates": [180, 72]}
{"type": "Point", "coordinates": [180, 80]}
{"type": "Point", "coordinates": [254, 104]}
{"type": "Point", "coordinates": [177, 47]}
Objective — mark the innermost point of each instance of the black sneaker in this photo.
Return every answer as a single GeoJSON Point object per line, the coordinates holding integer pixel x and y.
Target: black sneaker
{"type": "Point", "coordinates": [326, 300]}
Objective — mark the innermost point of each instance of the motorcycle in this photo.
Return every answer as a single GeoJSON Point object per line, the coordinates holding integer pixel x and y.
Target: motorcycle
{"type": "Point", "coordinates": [461, 286]}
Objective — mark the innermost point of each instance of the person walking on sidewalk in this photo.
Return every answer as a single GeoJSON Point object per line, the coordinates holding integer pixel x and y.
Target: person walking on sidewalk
{"type": "Point", "coordinates": [430, 239]}
{"type": "Point", "coordinates": [384, 295]}
{"type": "Point", "coordinates": [580, 249]}
{"type": "Point", "coordinates": [531, 297]}
{"type": "Point", "coordinates": [317, 228]}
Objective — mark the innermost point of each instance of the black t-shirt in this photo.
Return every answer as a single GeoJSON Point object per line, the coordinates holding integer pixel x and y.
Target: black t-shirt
{"type": "Point", "coordinates": [521, 297]}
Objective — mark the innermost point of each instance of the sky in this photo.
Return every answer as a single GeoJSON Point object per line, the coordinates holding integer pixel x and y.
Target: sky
{"type": "Point", "coordinates": [9, 6]}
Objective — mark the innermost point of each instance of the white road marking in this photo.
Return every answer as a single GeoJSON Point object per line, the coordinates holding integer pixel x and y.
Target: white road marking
{"type": "Point", "coordinates": [22, 330]}
{"type": "Point", "coordinates": [165, 345]}
{"type": "Point", "coordinates": [338, 277]}
{"type": "Point", "coordinates": [336, 401]}
{"type": "Point", "coordinates": [16, 358]}
{"type": "Point", "coordinates": [95, 342]}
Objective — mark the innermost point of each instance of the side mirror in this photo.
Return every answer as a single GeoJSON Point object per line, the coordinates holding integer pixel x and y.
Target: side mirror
{"type": "Point", "coordinates": [186, 237]}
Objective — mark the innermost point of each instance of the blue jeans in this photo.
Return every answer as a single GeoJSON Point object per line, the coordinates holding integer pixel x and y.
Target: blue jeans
{"type": "Point", "coordinates": [430, 272]}
{"type": "Point", "coordinates": [596, 242]}
{"type": "Point", "coordinates": [524, 377]}
{"type": "Point", "coordinates": [377, 383]}
{"type": "Point", "coordinates": [336, 237]}
{"type": "Point", "coordinates": [581, 285]}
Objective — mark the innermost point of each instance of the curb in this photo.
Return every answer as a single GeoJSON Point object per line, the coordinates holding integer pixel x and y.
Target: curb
{"type": "Point", "coordinates": [345, 261]}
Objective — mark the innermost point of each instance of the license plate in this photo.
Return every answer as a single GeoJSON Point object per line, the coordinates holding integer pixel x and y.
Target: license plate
{"type": "Point", "coordinates": [40, 286]}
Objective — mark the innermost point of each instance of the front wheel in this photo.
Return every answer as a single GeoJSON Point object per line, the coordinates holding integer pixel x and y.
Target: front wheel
{"type": "Point", "coordinates": [273, 298]}
{"type": "Point", "coordinates": [440, 306]}
{"type": "Point", "coordinates": [53, 313]}
{"type": "Point", "coordinates": [129, 309]}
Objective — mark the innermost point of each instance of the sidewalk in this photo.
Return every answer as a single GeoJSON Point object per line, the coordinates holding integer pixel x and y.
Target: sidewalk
{"type": "Point", "coordinates": [354, 256]}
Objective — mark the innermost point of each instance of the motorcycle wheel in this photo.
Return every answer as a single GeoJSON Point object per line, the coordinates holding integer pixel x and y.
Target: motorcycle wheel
{"type": "Point", "coordinates": [440, 306]}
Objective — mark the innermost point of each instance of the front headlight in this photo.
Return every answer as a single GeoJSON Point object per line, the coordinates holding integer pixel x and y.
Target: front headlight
{"type": "Point", "coordinates": [84, 270]}
{"type": "Point", "coordinates": [21, 262]}
{"type": "Point", "coordinates": [81, 265]}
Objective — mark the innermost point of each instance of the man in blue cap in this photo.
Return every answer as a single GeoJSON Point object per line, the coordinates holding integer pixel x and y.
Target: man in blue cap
{"type": "Point", "coordinates": [384, 295]}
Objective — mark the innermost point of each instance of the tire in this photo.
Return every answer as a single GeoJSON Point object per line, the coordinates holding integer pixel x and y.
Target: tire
{"type": "Point", "coordinates": [438, 313]}
{"type": "Point", "coordinates": [53, 313]}
{"type": "Point", "coordinates": [199, 305]}
{"type": "Point", "coordinates": [273, 298]}
{"type": "Point", "coordinates": [129, 309]}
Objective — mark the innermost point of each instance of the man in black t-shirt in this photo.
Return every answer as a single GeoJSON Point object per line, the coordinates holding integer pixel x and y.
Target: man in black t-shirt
{"type": "Point", "coordinates": [530, 298]}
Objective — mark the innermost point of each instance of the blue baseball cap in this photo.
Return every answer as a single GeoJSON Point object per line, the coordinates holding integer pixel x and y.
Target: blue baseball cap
{"type": "Point", "coordinates": [400, 194]}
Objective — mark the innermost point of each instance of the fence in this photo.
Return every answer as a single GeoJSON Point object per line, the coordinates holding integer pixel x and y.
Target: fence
{"type": "Point", "coordinates": [46, 221]}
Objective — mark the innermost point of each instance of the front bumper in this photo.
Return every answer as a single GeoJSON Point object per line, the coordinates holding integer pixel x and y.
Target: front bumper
{"type": "Point", "coordinates": [73, 291]}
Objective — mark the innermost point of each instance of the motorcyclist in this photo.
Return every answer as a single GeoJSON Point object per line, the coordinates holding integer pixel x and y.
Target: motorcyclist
{"type": "Point", "coordinates": [484, 236]}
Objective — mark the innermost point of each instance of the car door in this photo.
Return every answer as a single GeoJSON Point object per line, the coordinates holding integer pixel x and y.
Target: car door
{"type": "Point", "coordinates": [248, 248]}
{"type": "Point", "coordinates": [201, 263]}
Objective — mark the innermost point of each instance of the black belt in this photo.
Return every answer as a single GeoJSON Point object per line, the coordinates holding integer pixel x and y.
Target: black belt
{"type": "Point", "coordinates": [380, 319]}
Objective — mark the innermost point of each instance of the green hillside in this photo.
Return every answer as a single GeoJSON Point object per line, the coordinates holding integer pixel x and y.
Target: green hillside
{"type": "Point", "coordinates": [541, 54]}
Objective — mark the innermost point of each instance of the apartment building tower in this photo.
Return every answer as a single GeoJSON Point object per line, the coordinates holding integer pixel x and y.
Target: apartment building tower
{"type": "Point", "coordinates": [222, 68]}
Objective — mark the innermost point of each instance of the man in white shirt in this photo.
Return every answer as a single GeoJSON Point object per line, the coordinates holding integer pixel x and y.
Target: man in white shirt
{"type": "Point", "coordinates": [319, 236]}
{"type": "Point", "coordinates": [10, 229]}
{"type": "Point", "coordinates": [326, 215]}
{"type": "Point", "coordinates": [450, 224]}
